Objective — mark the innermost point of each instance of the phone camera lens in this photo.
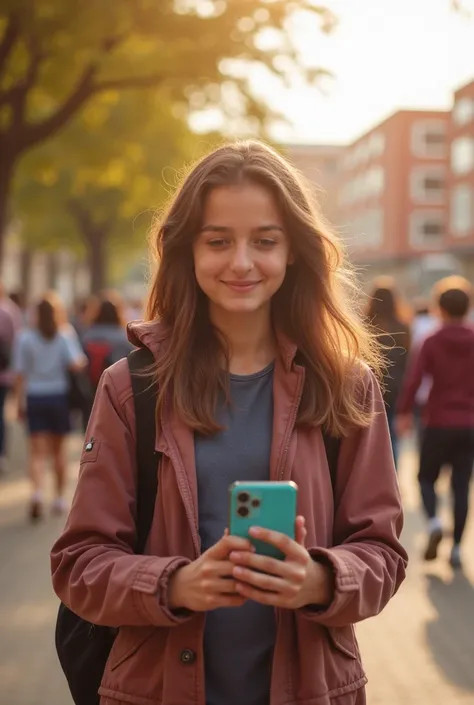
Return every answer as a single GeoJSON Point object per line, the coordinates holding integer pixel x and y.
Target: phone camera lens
{"type": "Point", "coordinates": [243, 511]}
{"type": "Point", "coordinates": [243, 497]}
{"type": "Point", "coordinates": [255, 503]}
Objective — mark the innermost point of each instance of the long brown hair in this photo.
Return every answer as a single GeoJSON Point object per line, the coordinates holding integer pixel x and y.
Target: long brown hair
{"type": "Point", "coordinates": [316, 306]}
{"type": "Point", "coordinates": [49, 315]}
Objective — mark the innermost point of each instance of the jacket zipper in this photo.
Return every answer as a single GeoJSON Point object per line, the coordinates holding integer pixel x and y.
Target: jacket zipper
{"type": "Point", "coordinates": [291, 425]}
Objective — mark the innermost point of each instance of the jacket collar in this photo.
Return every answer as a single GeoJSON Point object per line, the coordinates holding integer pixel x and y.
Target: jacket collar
{"type": "Point", "coordinates": [152, 335]}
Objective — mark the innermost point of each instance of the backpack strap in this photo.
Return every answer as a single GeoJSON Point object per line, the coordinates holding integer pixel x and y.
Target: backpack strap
{"type": "Point", "coordinates": [144, 397]}
{"type": "Point", "coordinates": [332, 446]}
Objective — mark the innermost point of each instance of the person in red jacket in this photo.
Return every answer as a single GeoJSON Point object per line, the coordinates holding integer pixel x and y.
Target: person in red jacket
{"type": "Point", "coordinates": [447, 357]}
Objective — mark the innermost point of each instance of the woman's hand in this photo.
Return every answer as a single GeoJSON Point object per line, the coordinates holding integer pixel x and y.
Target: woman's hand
{"type": "Point", "coordinates": [291, 583]}
{"type": "Point", "coordinates": [207, 583]}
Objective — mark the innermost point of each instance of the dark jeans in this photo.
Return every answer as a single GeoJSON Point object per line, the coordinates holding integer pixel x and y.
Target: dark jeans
{"type": "Point", "coordinates": [454, 447]}
{"type": "Point", "coordinates": [3, 395]}
{"type": "Point", "coordinates": [393, 434]}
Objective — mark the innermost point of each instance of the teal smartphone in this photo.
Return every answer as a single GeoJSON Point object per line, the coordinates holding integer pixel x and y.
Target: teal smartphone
{"type": "Point", "coordinates": [271, 505]}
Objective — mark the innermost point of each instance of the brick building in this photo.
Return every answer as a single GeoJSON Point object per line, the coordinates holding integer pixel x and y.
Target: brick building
{"type": "Point", "coordinates": [393, 199]}
{"type": "Point", "coordinates": [460, 232]}
{"type": "Point", "coordinates": [402, 195]}
{"type": "Point", "coordinates": [321, 165]}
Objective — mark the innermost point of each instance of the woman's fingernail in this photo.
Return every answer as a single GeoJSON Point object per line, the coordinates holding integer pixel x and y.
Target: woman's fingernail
{"type": "Point", "coordinates": [234, 556]}
{"type": "Point", "coordinates": [254, 531]}
{"type": "Point", "coordinates": [238, 571]}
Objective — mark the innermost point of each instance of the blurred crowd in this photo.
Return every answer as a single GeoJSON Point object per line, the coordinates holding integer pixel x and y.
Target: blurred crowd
{"type": "Point", "coordinates": [51, 361]}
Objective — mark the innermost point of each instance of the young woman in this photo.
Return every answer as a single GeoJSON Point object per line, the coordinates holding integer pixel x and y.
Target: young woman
{"type": "Point", "coordinates": [256, 352]}
{"type": "Point", "coordinates": [42, 357]}
{"type": "Point", "coordinates": [394, 337]}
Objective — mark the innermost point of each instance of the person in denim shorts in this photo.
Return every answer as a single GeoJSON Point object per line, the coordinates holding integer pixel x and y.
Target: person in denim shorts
{"type": "Point", "coordinates": [43, 357]}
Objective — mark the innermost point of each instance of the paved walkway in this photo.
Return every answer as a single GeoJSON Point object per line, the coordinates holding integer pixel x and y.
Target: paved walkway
{"type": "Point", "coordinates": [419, 652]}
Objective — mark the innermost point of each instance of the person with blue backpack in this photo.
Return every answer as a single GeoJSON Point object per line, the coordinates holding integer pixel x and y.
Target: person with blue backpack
{"type": "Point", "coordinates": [252, 365]}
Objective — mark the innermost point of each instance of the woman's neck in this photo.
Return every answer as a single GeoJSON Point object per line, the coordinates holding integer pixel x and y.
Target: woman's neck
{"type": "Point", "coordinates": [250, 338]}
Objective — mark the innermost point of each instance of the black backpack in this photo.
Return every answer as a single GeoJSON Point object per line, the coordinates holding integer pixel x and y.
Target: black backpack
{"type": "Point", "coordinates": [83, 648]}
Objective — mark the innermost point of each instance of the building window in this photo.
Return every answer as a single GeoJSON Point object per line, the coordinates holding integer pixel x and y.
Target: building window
{"type": "Point", "coordinates": [376, 144]}
{"type": "Point", "coordinates": [366, 230]}
{"type": "Point", "coordinates": [462, 210]}
{"type": "Point", "coordinates": [428, 184]}
{"type": "Point", "coordinates": [428, 139]}
{"type": "Point", "coordinates": [374, 182]}
{"type": "Point", "coordinates": [462, 155]}
{"type": "Point", "coordinates": [463, 111]}
{"type": "Point", "coordinates": [427, 229]}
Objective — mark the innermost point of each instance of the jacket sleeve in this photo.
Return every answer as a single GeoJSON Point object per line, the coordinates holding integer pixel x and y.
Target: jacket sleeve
{"type": "Point", "coordinates": [367, 560]}
{"type": "Point", "coordinates": [94, 569]}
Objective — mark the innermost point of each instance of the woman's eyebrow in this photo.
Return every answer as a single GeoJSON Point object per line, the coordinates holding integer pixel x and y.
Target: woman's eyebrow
{"type": "Point", "coordinates": [215, 229]}
{"type": "Point", "coordinates": [269, 228]}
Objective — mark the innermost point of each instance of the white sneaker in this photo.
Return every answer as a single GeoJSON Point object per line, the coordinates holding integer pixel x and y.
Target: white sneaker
{"type": "Point", "coordinates": [435, 536]}
{"type": "Point", "coordinates": [59, 506]}
{"type": "Point", "coordinates": [455, 558]}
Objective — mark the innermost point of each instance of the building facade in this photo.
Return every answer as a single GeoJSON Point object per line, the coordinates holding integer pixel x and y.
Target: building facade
{"type": "Point", "coordinates": [402, 195]}
{"type": "Point", "coordinates": [321, 165]}
{"type": "Point", "coordinates": [460, 232]}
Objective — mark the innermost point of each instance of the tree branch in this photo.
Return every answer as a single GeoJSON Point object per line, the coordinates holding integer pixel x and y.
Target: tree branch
{"type": "Point", "coordinates": [153, 79]}
{"type": "Point", "coordinates": [40, 131]}
{"type": "Point", "coordinates": [85, 87]}
{"type": "Point", "coordinates": [8, 40]}
{"type": "Point", "coordinates": [18, 94]}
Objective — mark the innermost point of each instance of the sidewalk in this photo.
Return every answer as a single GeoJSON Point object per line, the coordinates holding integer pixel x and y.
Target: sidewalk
{"type": "Point", "coordinates": [418, 652]}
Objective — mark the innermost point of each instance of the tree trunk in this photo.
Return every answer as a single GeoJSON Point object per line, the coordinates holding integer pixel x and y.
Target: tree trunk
{"type": "Point", "coordinates": [52, 270]}
{"type": "Point", "coordinates": [96, 239]}
{"type": "Point", "coordinates": [95, 236]}
{"type": "Point", "coordinates": [6, 175]}
{"type": "Point", "coordinates": [26, 265]}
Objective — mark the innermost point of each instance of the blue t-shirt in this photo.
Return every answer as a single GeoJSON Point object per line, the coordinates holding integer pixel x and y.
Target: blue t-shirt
{"type": "Point", "coordinates": [238, 642]}
{"type": "Point", "coordinates": [44, 363]}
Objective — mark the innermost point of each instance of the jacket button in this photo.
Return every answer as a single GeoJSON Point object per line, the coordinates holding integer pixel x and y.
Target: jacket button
{"type": "Point", "coordinates": [188, 656]}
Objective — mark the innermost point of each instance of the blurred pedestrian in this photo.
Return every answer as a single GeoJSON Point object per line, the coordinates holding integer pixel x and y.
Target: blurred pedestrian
{"type": "Point", "coordinates": [43, 356]}
{"type": "Point", "coordinates": [393, 335]}
{"type": "Point", "coordinates": [257, 351]}
{"type": "Point", "coordinates": [10, 324]}
{"type": "Point", "coordinates": [423, 324]}
{"type": "Point", "coordinates": [447, 357]}
{"type": "Point", "coordinates": [79, 316]}
{"type": "Point", "coordinates": [105, 340]}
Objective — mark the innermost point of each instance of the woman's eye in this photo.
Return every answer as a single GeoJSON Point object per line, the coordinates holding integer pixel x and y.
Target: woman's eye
{"type": "Point", "coordinates": [265, 242]}
{"type": "Point", "coordinates": [217, 242]}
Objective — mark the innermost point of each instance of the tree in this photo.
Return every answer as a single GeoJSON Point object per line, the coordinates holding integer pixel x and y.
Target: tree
{"type": "Point", "coordinates": [57, 56]}
{"type": "Point", "coordinates": [94, 187]}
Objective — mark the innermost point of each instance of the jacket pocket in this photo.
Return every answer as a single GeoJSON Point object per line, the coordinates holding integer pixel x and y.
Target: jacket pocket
{"type": "Point", "coordinates": [127, 643]}
{"type": "Point", "coordinates": [90, 451]}
{"type": "Point", "coordinates": [343, 639]}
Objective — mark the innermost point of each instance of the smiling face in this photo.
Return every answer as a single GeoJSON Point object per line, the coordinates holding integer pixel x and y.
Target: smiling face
{"type": "Point", "coordinates": [242, 251]}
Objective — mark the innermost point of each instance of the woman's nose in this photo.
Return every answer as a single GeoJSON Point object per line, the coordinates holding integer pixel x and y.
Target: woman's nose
{"type": "Point", "coordinates": [241, 259]}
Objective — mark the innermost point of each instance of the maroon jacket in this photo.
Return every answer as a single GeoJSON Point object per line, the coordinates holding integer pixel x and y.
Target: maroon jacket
{"type": "Point", "coordinates": [447, 358]}
{"type": "Point", "coordinates": [97, 575]}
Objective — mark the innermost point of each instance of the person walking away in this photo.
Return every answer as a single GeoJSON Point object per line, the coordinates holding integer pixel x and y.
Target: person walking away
{"type": "Point", "coordinates": [423, 324]}
{"type": "Point", "coordinates": [105, 341]}
{"type": "Point", "coordinates": [257, 351]}
{"type": "Point", "coordinates": [43, 356]}
{"type": "Point", "coordinates": [447, 358]}
{"type": "Point", "coordinates": [394, 336]}
{"type": "Point", "coordinates": [10, 324]}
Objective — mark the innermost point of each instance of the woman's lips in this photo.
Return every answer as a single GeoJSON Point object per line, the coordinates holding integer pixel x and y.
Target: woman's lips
{"type": "Point", "coordinates": [241, 287]}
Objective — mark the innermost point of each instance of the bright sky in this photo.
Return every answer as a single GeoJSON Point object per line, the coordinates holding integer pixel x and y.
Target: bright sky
{"type": "Point", "coordinates": [386, 55]}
